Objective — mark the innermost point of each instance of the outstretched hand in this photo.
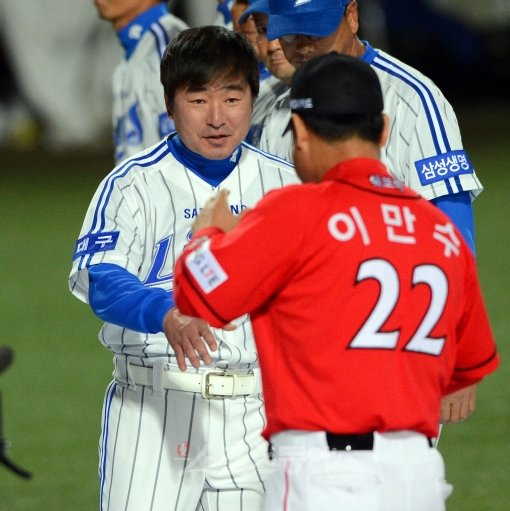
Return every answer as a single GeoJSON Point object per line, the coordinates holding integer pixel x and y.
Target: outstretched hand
{"type": "Point", "coordinates": [190, 337]}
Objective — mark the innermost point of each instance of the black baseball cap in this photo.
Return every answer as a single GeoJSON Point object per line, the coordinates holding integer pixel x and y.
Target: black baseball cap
{"type": "Point", "coordinates": [335, 84]}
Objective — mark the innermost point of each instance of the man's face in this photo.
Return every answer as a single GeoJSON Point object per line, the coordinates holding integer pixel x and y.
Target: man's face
{"type": "Point", "coordinates": [213, 120]}
{"type": "Point", "coordinates": [122, 12]}
{"type": "Point", "coordinates": [300, 48]}
{"type": "Point", "coordinates": [271, 52]}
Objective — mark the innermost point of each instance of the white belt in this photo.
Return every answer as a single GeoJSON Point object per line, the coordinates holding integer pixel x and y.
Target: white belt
{"type": "Point", "coordinates": [212, 384]}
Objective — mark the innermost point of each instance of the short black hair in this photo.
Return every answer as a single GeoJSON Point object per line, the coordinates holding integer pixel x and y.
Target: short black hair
{"type": "Point", "coordinates": [331, 128]}
{"type": "Point", "coordinates": [200, 55]}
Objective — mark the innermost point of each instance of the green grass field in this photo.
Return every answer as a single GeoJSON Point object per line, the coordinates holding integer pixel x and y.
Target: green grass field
{"type": "Point", "coordinates": [52, 394]}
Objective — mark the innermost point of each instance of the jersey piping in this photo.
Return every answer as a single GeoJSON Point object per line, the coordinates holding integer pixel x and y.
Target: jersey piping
{"type": "Point", "coordinates": [146, 160]}
{"type": "Point", "coordinates": [160, 36]}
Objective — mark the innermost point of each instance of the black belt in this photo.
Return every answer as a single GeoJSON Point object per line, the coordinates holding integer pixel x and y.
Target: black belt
{"type": "Point", "coordinates": [363, 442]}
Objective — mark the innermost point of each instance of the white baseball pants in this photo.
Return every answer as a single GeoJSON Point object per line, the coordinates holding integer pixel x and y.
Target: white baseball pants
{"type": "Point", "coordinates": [177, 451]}
{"type": "Point", "coordinates": [401, 473]}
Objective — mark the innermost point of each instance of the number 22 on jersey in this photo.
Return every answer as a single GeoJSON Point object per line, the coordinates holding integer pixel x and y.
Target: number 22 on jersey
{"type": "Point", "coordinates": [370, 335]}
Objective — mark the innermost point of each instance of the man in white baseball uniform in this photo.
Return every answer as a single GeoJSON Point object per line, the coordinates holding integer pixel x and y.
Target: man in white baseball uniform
{"type": "Point", "coordinates": [276, 72]}
{"type": "Point", "coordinates": [424, 149]}
{"type": "Point", "coordinates": [144, 29]}
{"type": "Point", "coordinates": [177, 437]}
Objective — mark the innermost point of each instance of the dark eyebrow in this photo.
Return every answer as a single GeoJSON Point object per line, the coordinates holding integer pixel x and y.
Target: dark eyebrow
{"type": "Point", "coordinates": [233, 86]}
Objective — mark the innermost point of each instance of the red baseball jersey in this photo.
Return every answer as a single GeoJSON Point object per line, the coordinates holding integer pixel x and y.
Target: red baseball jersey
{"type": "Point", "coordinates": [364, 298]}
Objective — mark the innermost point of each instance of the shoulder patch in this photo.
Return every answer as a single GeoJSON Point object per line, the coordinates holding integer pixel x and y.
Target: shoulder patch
{"type": "Point", "coordinates": [443, 166]}
{"type": "Point", "coordinates": [93, 243]}
{"type": "Point", "coordinates": [205, 268]}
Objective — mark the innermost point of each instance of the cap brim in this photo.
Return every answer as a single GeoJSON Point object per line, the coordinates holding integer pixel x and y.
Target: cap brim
{"type": "Point", "coordinates": [316, 24]}
{"type": "Point", "coordinates": [255, 7]}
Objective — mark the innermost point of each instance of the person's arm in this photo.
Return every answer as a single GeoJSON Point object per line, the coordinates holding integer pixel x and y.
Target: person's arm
{"type": "Point", "coordinates": [229, 270]}
{"type": "Point", "coordinates": [459, 208]}
{"type": "Point", "coordinates": [118, 297]}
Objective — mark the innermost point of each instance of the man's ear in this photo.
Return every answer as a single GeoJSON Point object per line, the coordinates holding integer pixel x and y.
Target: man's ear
{"type": "Point", "coordinates": [168, 106]}
{"type": "Point", "coordinates": [351, 16]}
{"type": "Point", "coordinates": [385, 131]}
{"type": "Point", "coordinates": [301, 136]}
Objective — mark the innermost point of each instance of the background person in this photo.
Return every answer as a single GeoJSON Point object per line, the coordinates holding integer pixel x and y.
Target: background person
{"type": "Point", "coordinates": [367, 284]}
{"type": "Point", "coordinates": [424, 148]}
{"type": "Point", "coordinates": [275, 76]}
{"type": "Point", "coordinates": [144, 29]}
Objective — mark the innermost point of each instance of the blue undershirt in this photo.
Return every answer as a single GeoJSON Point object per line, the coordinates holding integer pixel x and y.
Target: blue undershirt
{"type": "Point", "coordinates": [116, 295]}
{"type": "Point", "coordinates": [459, 208]}
{"type": "Point", "coordinates": [132, 33]}
{"type": "Point", "coordinates": [211, 171]}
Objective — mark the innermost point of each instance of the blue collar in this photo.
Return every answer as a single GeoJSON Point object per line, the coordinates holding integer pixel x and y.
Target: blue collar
{"type": "Point", "coordinates": [370, 53]}
{"type": "Point", "coordinates": [211, 171]}
{"type": "Point", "coordinates": [133, 32]}
{"type": "Point", "coordinates": [224, 8]}
{"type": "Point", "coordinates": [264, 72]}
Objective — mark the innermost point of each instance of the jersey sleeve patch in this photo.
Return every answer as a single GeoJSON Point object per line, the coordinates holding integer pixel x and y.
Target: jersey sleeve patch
{"type": "Point", "coordinates": [205, 268]}
{"type": "Point", "coordinates": [93, 243]}
{"type": "Point", "coordinates": [443, 166]}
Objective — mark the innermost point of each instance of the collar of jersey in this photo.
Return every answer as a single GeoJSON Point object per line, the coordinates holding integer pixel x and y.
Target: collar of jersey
{"type": "Point", "coordinates": [264, 72]}
{"type": "Point", "coordinates": [132, 33]}
{"type": "Point", "coordinates": [370, 53]}
{"type": "Point", "coordinates": [355, 170]}
{"type": "Point", "coordinates": [224, 9]}
{"type": "Point", "coordinates": [211, 171]}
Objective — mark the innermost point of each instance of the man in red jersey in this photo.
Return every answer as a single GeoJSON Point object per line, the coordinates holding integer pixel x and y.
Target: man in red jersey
{"type": "Point", "coordinates": [365, 304]}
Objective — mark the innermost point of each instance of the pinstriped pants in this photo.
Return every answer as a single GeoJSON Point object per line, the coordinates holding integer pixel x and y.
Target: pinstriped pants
{"type": "Point", "coordinates": [177, 451]}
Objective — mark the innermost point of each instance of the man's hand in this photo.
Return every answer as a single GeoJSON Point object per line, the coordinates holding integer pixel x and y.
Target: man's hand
{"type": "Point", "coordinates": [458, 406]}
{"type": "Point", "coordinates": [189, 337]}
{"type": "Point", "coordinates": [216, 213]}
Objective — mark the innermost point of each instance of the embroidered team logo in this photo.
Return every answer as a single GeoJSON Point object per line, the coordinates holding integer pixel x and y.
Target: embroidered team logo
{"type": "Point", "coordinates": [182, 449]}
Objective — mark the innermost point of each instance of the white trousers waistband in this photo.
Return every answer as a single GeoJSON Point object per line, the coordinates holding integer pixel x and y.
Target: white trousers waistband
{"type": "Point", "coordinates": [395, 444]}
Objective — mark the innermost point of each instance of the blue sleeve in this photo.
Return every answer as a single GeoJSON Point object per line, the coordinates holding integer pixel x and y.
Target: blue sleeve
{"type": "Point", "coordinates": [118, 297]}
{"type": "Point", "coordinates": [458, 207]}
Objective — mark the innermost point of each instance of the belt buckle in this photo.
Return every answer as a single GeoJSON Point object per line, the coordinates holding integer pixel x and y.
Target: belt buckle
{"type": "Point", "coordinates": [206, 385]}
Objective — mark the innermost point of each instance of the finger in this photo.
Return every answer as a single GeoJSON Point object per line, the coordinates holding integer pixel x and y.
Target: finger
{"type": "Point", "coordinates": [209, 338]}
{"type": "Point", "coordinates": [180, 358]}
{"type": "Point", "coordinates": [229, 327]}
{"type": "Point", "coordinates": [194, 360]}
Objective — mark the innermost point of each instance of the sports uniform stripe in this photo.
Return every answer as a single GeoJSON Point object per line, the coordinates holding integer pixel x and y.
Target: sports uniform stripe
{"type": "Point", "coordinates": [174, 213]}
{"type": "Point", "coordinates": [249, 446]}
{"type": "Point", "coordinates": [268, 155]}
{"type": "Point", "coordinates": [110, 392]}
{"type": "Point", "coordinates": [158, 466]}
{"type": "Point", "coordinates": [115, 446]}
{"type": "Point", "coordinates": [160, 36]}
{"type": "Point", "coordinates": [136, 447]}
{"type": "Point", "coordinates": [225, 450]}
{"type": "Point", "coordinates": [99, 219]}
{"type": "Point", "coordinates": [191, 418]}
{"type": "Point", "coordinates": [436, 124]}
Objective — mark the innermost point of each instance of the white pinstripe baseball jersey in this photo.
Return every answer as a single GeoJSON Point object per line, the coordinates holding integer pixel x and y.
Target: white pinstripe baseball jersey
{"type": "Point", "coordinates": [270, 89]}
{"type": "Point", "coordinates": [140, 118]}
{"type": "Point", "coordinates": [167, 449]}
{"type": "Point", "coordinates": [424, 149]}
{"type": "Point", "coordinates": [140, 218]}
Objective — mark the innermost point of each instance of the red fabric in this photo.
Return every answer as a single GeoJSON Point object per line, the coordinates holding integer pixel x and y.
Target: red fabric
{"type": "Point", "coordinates": [309, 296]}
